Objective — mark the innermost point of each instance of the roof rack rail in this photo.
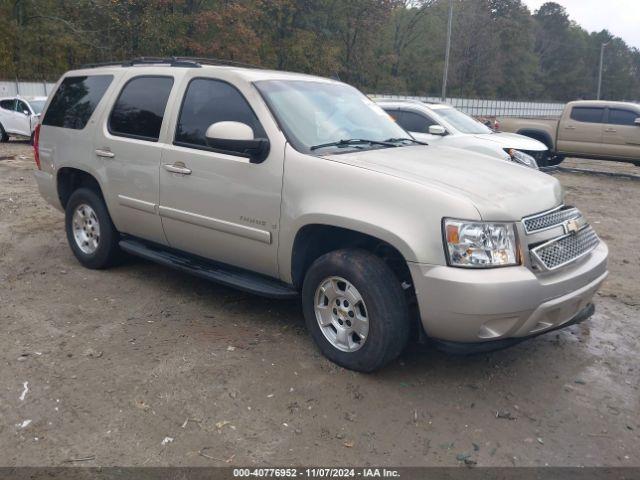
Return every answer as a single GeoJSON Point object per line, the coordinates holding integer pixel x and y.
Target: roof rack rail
{"type": "Point", "coordinates": [186, 62]}
{"type": "Point", "coordinates": [219, 61]}
{"type": "Point", "coordinates": [408, 100]}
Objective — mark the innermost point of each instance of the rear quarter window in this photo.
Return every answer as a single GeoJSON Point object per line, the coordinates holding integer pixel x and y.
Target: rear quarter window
{"type": "Point", "coordinates": [75, 100]}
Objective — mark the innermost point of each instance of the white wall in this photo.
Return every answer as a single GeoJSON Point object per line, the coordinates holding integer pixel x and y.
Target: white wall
{"type": "Point", "coordinates": [26, 89]}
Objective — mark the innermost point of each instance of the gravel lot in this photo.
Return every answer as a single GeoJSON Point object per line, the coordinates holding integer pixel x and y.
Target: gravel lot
{"type": "Point", "coordinates": [141, 365]}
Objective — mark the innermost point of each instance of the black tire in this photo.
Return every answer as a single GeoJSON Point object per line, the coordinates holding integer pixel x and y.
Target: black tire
{"type": "Point", "coordinates": [107, 252]}
{"type": "Point", "coordinates": [4, 137]}
{"type": "Point", "coordinates": [555, 160]}
{"type": "Point", "coordinates": [386, 308]}
{"type": "Point", "coordinates": [543, 162]}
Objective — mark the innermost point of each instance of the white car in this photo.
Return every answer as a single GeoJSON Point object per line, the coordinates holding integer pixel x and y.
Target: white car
{"type": "Point", "coordinates": [19, 116]}
{"type": "Point", "coordinates": [442, 124]}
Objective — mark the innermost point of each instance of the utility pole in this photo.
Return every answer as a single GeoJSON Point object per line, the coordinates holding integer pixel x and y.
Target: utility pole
{"type": "Point", "coordinates": [446, 54]}
{"type": "Point", "coordinates": [600, 72]}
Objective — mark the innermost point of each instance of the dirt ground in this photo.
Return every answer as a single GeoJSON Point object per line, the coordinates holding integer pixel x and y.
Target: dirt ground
{"type": "Point", "coordinates": [141, 365]}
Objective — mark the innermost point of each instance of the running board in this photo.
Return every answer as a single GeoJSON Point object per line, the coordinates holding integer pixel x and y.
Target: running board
{"type": "Point", "coordinates": [216, 272]}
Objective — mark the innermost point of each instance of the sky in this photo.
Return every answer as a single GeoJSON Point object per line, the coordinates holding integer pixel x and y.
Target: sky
{"type": "Point", "coordinates": [620, 17]}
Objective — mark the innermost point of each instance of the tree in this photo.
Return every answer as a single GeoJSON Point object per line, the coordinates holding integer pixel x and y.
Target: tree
{"type": "Point", "coordinates": [499, 49]}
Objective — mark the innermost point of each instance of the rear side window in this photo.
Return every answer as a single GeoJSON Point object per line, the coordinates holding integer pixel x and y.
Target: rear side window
{"type": "Point", "coordinates": [587, 114]}
{"type": "Point", "coordinates": [210, 101]}
{"type": "Point", "coordinates": [8, 104]}
{"type": "Point", "coordinates": [622, 117]}
{"type": "Point", "coordinates": [139, 110]}
{"type": "Point", "coordinates": [414, 122]}
{"type": "Point", "coordinates": [75, 100]}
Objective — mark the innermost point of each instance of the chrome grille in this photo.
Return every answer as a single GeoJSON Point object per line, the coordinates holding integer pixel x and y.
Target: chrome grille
{"type": "Point", "coordinates": [543, 221]}
{"type": "Point", "coordinates": [565, 249]}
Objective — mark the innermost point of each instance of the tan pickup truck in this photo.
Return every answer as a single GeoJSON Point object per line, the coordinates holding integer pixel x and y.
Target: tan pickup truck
{"type": "Point", "coordinates": [587, 129]}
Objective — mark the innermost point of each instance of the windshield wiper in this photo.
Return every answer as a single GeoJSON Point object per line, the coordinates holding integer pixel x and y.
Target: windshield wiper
{"type": "Point", "coordinates": [400, 139]}
{"type": "Point", "coordinates": [352, 141]}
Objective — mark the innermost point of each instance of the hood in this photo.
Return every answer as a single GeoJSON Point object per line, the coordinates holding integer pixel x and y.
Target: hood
{"type": "Point", "coordinates": [499, 190]}
{"type": "Point", "coordinates": [512, 140]}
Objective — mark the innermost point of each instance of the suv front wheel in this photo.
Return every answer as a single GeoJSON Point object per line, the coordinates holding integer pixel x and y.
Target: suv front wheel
{"type": "Point", "coordinates": [90, 231]}
{"type": "Point", "coordinates": [355, 309]}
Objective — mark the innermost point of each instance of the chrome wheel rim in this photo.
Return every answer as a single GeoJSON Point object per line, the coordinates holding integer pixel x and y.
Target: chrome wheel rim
{"type": "Point", "coordinates": [86, 228]}
{"type": "Point", "coordinates": [341, 314]}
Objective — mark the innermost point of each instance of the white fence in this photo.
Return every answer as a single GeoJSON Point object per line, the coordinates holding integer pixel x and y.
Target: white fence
{"type": "Point", "coordinates": [479, 107]}
{"type": "Point", "coordinates": [26, 89]}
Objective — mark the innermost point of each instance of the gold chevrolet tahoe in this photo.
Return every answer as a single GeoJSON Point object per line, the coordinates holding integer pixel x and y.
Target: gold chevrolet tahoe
{"type": "Point", "coordinates": [289, 185]}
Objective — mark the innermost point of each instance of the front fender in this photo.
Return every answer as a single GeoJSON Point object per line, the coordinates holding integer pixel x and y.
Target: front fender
{"type": "Point", "coordinates": [402, 213]}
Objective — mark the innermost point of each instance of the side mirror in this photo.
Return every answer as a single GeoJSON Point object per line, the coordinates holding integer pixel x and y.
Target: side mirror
{"type": "Point", "coordinates": [236, 138]}
{"type": "Point", "coordinates": [437, 130]}
{"type": "Point", "coordinates": [637, 121]}
{"type": "Point", "coordinates": [26, 112]}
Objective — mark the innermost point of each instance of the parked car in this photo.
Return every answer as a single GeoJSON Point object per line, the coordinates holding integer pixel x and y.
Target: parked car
{"type": "Point", "coordinates": [586, 129]}
{"type": "Point", "coordinates": [19, 116]}
{"type": "Point", "coordinates": [285, 184]}
{"type": "Point", "coordinates": [444, 125]}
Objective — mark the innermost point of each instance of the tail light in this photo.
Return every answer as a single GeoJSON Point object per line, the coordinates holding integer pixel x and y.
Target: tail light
{"type": "Point", "coordinates": [36, 146]}
{"type": "Point", "coordinates": [496, 125]}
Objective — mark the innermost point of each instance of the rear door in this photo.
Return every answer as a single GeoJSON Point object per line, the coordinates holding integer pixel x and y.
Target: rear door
{"type": "Point", "coordinates": [127, 145]}
{"type": "Point", "coordinates": [621, 135]}
{"type": "Point", "coordinates": [7, 110]}
{"type": "Point", "coordinates": [581, 131]}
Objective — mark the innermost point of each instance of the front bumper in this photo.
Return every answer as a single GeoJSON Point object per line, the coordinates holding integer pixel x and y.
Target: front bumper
{"type": "Point", "coordinates": [469, 306]}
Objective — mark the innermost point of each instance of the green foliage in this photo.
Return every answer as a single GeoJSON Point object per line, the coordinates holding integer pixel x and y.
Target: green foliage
{"type": "Point", "coordinates": [499, 48]}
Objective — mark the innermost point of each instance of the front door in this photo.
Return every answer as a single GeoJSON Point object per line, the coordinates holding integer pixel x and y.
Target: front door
{"type": "Point", "coordinates": [217, 204]}
{"type": "Point", "coordinates": [621, 135]}
{"type": "Point", "coordinates": [127, 146]}
{"type": "Point", "coordinates": [22, 119]}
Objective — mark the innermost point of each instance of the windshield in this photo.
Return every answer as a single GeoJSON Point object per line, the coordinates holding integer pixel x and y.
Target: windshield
{"type": "Point", "coordinates": [37, 105]}
{"type": "Point", "coordinates": [462, 122]}
{"type": "Point", "coordinates": [313, 114]}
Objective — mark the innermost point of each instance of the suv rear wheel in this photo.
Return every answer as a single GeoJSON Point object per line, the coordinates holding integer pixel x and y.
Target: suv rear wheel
{"type": "Point", "coordinates": [355, 309]}
{"type": "Point", "coordinates": [90, 231]}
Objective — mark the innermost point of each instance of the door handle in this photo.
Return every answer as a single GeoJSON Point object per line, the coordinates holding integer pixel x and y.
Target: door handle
{"type": "Point", "coordinates": [105, 153]}
{"type": "Point", "coordinates": [611, 130]}
{"type": "Point", "coordinates": [569, 127]}
{"type": "Point", "coordinates": [177, 167]}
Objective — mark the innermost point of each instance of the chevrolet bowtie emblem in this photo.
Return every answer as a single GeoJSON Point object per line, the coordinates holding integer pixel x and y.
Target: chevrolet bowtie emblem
{"type": "Point", "coordinates": [573, 225]}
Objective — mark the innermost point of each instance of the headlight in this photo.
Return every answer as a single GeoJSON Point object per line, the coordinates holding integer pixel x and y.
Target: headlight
{"type": "Point", "coordinates": [480, 244]}
{"type": "Point", "coordinates": [522, 158]}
